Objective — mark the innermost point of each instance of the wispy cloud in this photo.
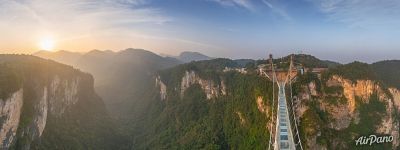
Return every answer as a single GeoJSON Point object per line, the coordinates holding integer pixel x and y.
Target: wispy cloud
{"type": "Point", "coordinates": [252, 6]}
{"type": "Point", "coordinates": [362, 13]}
{"type": "Point", "coordinates": [27, 21]}
{"type": "Point", "coordinates": [247, 4]}
{"type": "Point", "coordinates": [84, 15]}
{"type": "Point", "coordinates": [278, 10]}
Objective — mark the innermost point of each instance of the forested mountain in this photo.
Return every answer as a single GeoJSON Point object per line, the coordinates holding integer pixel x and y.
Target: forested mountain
{"type": "Point", "coordinates": [121, 78]}
{"type": "Point", "coordinates": [192, 56]}
{"type": "Point", "coordinates": [310, 61]}
{"type": "Point", "coordinates": [47, 105]}
{"type": "Point", "coordinates": [388, 71]}
{"type": "Point", "coordinates": [198, 105]}
{"type": "Point", "coordinates": [346, 102]}
{"type": "Point", "coordinates": [62, 56]}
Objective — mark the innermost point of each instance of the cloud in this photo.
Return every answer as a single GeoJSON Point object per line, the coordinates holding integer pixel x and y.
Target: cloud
{"type": "Point", "coordinates": [362, 13]}
{"type": "Point", "coordinates": [250, 5]}
{"type": "Point", "coordinates": [76, 17]}
{"type": "Point", "coordinates": [76, 25]}
{"type": "Point", "coordinates": [236, 3]}
{"type": "Point", "coordinates": [278, 10]}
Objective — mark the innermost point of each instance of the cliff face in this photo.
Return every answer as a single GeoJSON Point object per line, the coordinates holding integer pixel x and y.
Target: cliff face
{"type": "Point", "coordinates": [396, 97]}
{"type": "Point", "coordinates": [10, 114]}
{"type": "Point", "coordinates": [361, 88]}
{"type": "Point", "coordinates": [163, 88]}
{"type": "Point", "coordinates": [53, 100]}
{"type": "Point", "coordinates": [343, 107]}
{"type": "Point", "coordinates": [211, 88]}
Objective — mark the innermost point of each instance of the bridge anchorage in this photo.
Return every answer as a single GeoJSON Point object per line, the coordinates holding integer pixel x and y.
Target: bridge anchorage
{"type": "Point", "coordinates": [284, 133]}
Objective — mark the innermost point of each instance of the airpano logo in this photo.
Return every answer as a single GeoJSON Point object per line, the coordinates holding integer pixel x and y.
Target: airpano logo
{"type": "Point", "coordinates": [373, 139]}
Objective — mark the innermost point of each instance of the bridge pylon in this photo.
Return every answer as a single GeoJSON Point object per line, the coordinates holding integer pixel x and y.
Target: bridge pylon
{"type": "Point", "coordinates": [284, 134]}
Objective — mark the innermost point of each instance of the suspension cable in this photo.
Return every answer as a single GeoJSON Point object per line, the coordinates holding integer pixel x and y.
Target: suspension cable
{"type": "Point", "coordinates": [294, 115]}
{"type": "Point", "coordinates": [273, 104]}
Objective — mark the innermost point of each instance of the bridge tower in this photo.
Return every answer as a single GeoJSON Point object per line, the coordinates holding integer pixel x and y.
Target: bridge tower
{"type": "Point", "coordinates": [284, 134]}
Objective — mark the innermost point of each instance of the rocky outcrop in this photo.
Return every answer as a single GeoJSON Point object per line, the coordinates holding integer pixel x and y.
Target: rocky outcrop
{"type": "Point", "coordinates": [52, 99]}
{"type": "Point", "coordinates": [163, 88]}
{"type": "Point", "coordinates": [396, 97]}
{"type": "Point", "coordinates": [211, 89]}
{"type": "Point", "coordinates": [301, 107]}
{"type": "Point", "coordinates": [241, 117]}
{"type": "Point", "coordinates": [389, 126]}
{"type": "Point", "coordinates": [10, 111]}
{"type": "Point", "coordinates": [342, 114]}
{"type": "Point", "coordinates": [40, 118]}
{"type": "Point", "coordinates": [360, 88]}
{"type": "Point", "coordinates": [313, 89]}
{"type": "Point", "coordinates": [262, 107]}
{"type": "Point", "coordinates": [62, 93]}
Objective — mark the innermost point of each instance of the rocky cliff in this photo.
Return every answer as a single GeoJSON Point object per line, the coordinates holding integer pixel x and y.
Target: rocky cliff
{"type": "Point", "coordinates": [10, 114]}
{"type": "Point", "coordinates": [211, 88]}
{"type": "Point", "coordinates": [342, 105]}
{"type": "Point", "coordinates": [163, 88]}
{"type": "Point", "coordinates": [42, 112]}
{"type": "Point", "coordinates": [396, 97]}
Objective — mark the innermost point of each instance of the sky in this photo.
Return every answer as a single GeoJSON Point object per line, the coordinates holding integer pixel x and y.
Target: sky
{"type": "Point", "coordinates": [339, 30]}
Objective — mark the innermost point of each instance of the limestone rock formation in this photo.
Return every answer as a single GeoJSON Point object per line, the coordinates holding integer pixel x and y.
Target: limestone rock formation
{"type": "Point", "coordinates": [10, 117]}
{"type": "Point", "coordinates": [52, 99]}
{"type": "Point", "coordinates": [396, 97]}
{"type": "Point", "coordinates": [42, 99]}
{"type": "Point", "coordinates": [211, 88]}
{"type": "Point", "coordinates": [341, 115]}
{"type": "Point", "coordinates": [163, 88]}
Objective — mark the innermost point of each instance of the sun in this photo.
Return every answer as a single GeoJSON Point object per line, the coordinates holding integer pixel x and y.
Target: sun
{"type": "Point", "coordinates": [46, 44]}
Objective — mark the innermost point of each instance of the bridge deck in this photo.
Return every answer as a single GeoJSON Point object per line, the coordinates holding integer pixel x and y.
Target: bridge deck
{"type": "Point", "coordinates": [284, 139]}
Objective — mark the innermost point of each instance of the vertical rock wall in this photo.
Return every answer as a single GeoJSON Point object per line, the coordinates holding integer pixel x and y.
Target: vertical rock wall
{"type": "Point", "coordinates": [52, 99]}
{"type": "Point", "coordinates": [211, 89]}
{"type": "Point", "coordinates": [10, 111]}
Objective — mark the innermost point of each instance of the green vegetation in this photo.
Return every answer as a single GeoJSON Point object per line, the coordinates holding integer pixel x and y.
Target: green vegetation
{"type": "Point", "coordinates": [371, 115]}
{"type": "Point", "coordinates": [84, 125]}
{"type": "Point", "coordinates": [333, 89]}
{"type": "Point", "coordinates": [310, 61]}
{"type": "Point", "coordinates": [194, 122]}
{"type": "Point", "coordinates": [315, 121]}
{"type": "Point", "coordinates": [305, 79]}
{"type": "Point", "coordinates": [10, 81]}
{"type": "Point", "coordinates": [388, 72]}
{"type": "Point", "coordinates": [209, 69]}
{"type": "Point", "coordinates": [352, 71]}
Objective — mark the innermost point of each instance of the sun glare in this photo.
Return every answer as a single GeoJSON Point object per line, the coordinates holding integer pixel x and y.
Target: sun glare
{"type": "Point", "coordinates": [46, 44]}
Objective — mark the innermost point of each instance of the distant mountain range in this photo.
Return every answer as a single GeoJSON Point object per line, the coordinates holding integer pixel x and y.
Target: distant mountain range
{"type": "Point", "coordinates": [62, 56]}
{"type": "Point", "coordinates": [68, 57]}
{"type": "Point", "coordinates": [192, 56]}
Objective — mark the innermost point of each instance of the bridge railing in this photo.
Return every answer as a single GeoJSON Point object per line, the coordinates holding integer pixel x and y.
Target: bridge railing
{"type": "Point", "coordinates": [293, 119]}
